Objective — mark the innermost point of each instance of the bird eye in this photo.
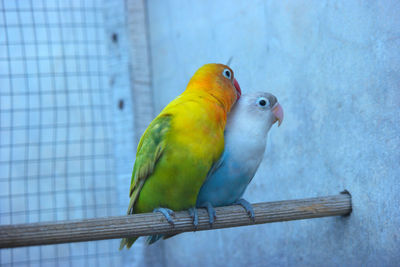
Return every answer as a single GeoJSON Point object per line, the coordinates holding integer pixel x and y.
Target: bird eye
{"type": "Point", "coordinates": [227, 73]}
{"type": "Point", "coordinates": [262, 102]}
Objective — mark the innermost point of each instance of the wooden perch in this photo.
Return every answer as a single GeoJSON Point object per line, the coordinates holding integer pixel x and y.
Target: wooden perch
{"type": "Point", "coordinates": [154, 223]}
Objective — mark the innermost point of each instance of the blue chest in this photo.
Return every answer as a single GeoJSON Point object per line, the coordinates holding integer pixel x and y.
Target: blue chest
{"type": "Point", "coordinates": [227, 184]}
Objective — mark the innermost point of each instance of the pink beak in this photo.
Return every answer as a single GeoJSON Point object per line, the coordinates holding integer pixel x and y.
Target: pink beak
{"type": "Point", "coordinates": [238, 90]}
{"type": "Point", "coordinates": [278, 112]}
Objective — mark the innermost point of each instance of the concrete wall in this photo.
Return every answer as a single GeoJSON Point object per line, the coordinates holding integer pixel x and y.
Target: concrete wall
{"type": "Point", "coordinates": [334, 66]}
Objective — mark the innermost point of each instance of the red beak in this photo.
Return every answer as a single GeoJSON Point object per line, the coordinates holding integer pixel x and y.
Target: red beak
{"type": "Point", "coordinates": [238, 90]}
{"type": "Point", "coordinates": [278, 112]}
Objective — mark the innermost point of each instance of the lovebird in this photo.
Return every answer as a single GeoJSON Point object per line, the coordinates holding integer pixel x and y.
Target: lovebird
{"type": "Point", "coordinates": [181, 144]}
{"type": "Point", "coordinates": [245, 142]}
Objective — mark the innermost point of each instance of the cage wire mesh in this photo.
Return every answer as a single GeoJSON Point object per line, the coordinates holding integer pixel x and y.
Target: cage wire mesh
{"type": "Point", "coordinates": [57, 125]}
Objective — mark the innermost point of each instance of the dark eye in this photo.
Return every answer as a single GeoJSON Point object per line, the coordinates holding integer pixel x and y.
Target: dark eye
{"type": "Point", "coordinates": [227, 73]}
{"type": "Point", "coordinates": [262, 102]}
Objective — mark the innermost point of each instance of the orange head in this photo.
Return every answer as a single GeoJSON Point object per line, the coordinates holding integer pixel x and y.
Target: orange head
{"type": "Point", "coordinates": [216, 80]}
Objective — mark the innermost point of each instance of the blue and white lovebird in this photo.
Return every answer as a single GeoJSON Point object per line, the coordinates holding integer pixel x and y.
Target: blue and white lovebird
{"type": "Point", "coordinates": [245, 142]}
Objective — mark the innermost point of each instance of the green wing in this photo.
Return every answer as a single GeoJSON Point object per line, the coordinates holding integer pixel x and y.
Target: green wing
{"type": "Point", "coordinates": [150, 149]}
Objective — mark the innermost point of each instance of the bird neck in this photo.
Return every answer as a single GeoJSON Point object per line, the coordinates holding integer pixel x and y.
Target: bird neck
{"type": "Point", "coordinates": [247, 126]}
{"type": "Point", "coordinates": [213, 109]}
{"type": "Point", "coordinates": [212, 91]}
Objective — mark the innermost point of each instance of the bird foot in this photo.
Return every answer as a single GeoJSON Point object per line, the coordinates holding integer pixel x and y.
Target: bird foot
{"type": "Point", "coordinates": [211, 212]}
{"type": "Point", "coordinates": [167, 214]}
{"type": "Point", "coordinates": [247, 206]}
{"type": "Point", "coordinates": [195, 216]}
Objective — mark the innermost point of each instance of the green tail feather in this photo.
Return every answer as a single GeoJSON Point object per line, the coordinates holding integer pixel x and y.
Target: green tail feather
{"type": "Point", "coordinates": [128, 242]}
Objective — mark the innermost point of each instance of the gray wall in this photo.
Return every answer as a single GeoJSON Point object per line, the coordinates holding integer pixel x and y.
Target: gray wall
{"type": "Point", "coordinates": [334, 66]}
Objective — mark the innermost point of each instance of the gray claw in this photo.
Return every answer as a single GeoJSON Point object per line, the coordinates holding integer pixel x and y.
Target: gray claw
{"type": "Point", "coordinates": [195, 216]}
{"type": "Point", "coordinates": [167, 214]}
{"type": "Point", "coordinates": [212, 216]}
{"type": "Point", "coordinates": [247, 206]}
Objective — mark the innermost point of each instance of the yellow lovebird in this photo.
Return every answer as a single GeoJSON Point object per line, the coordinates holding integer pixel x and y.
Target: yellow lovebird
{"type": "Point", "coordinates": [180, 146]}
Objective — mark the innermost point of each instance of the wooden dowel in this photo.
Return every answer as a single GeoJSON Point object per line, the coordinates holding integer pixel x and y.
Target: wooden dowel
{"type": "Point", "coordinates": [154, 223]}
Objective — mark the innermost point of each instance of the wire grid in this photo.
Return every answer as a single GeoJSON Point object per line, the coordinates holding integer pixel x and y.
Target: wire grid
{"type": "Point", "coordinates": [56, 159]}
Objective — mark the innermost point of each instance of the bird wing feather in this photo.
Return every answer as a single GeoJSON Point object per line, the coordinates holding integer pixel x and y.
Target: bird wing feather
{"type": "Point", "coordinates": [149, 151]}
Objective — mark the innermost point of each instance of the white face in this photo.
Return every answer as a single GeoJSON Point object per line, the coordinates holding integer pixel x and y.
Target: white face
{"type": "Point", "coordinates": [252, 115]}
{"type": "Point", "coordinates": [251, 119]}
{"type": "Point", "coordinates": [260, 105]}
